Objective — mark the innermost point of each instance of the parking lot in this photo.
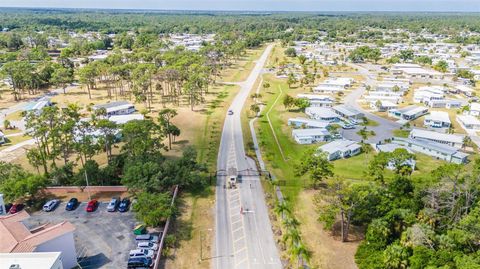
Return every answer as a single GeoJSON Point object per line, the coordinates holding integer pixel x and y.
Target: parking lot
{"type": "Point", "coordinates": [102, 239]}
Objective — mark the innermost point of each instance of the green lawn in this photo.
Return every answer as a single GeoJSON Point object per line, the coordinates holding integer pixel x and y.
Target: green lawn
{"type": "Point", "coordinates": [401, 133]}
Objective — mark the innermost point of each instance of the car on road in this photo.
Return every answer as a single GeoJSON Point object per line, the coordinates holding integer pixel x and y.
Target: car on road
{"type": "Point", "coordinates": [142, 253]}
{"type": "Point", "coordinates": [7, 207]}
{"type": "Point", "coordinates": [348, 126]}
{"type": "Point", "coordinates": [72, 204]}
{"type": "Point", "coordinates": [112, 206]}
{"type": "Point", "coordinates": [147, 245]}
{"type": "Point", "coordinates": [16, 208]}
{"type": "Point", "coordinates": [51, 205]}
{"type": "Point", "coordinates": [139, 262]}
{"type": "Point", "coordinates": [92, 205]}
{"type": "Point", "coordinates": [230, 112]}
{"type": "Point", "coordinates": [147, 237]}
{"type": "Point", "coordinates": [124, 204]}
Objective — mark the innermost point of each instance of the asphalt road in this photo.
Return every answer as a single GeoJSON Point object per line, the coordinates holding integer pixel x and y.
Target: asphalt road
{"type": "Point", "coordinates": [243, 240]}
{"type": "Point", "coordinates": [385, 127]}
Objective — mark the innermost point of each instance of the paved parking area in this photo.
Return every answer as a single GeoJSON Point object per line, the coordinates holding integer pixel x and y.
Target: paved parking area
{"type": "Point", "coordinates": [103, 239]}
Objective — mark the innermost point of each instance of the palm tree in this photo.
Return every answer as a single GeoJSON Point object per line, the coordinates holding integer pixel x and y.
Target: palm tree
{"type": "Point", "coordinates": [281, 208]}
{"type": "Point", "coordinates": [301, 253]}
{"type": "Point", "coordinates": [291, 237]}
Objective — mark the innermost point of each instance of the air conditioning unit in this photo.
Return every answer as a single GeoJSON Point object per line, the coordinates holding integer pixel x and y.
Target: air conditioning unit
{"type": "Point", "coordinates": [15, 266]}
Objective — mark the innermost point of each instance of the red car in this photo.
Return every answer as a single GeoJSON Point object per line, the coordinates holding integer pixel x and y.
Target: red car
{"type": "Point", "coordinates": [92, 205]}
{"type": "Point", "coordinates": [16, 208]}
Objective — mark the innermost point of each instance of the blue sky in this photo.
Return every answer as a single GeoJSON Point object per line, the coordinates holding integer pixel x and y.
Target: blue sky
{"type": "Point", "coordinates": [262, 5]}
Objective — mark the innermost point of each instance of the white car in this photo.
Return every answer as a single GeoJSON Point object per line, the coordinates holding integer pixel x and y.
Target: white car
{"type": "Point", "coordinates": [142, 253]}
{"type": "Point", "coordinates": [147, 245]}
{"type": "Point", "coordinates": [50, 205]}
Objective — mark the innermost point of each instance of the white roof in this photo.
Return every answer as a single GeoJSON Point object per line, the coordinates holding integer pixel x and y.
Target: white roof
{"type": "Point", "coordinates": [311, 123]}
{"type": "Point", "coordinates": [463, 88]}
{"type": "Point", "coordinates": [121, 119]}
{"type": "Point", "coordinates": [468, 119]}
{"type": "Point", "coordinates": [310, 132]}
{"type": "Point", "coordinates": [438, 116]}
{"type": "Point", "coordinates": [318, 97]}
{"type": "Point", "coordinates": [475, 106]}
{"type": "Point", "coordinates": [342, 145]}
{"type": "Point", "coordinates": [430, 135]}
{"type": "Point", "coordinates": [30, 260]}
{"type": "Point", "coordinates": [322, 112]}
{"type": "Point", "coordinates": [386, 103]}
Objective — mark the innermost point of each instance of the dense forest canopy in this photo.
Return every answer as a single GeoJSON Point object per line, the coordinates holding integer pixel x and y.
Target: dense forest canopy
{"type": "Point", "coordinates": [208, 22]}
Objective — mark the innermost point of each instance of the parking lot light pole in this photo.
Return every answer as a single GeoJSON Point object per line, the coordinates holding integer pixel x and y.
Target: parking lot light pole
{"type": "Point", "coordinates": [86, 179]}
{"type": "Point", "coordinates": [201, 244]}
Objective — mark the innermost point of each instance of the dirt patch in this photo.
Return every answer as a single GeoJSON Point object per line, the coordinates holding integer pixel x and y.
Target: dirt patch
{"type": "Point", "coordinates": [328, 252]}
{"type": "Point", "coordinates": [193, 232]}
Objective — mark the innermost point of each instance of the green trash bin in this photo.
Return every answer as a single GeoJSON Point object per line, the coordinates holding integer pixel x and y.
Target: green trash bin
{"type": "Point", "coordinates": [139, 229]}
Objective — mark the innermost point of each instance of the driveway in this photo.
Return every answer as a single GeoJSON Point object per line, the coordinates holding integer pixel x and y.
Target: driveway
{"type": "Point", "coordinates": [102, 239]}
{"type": "Point", "coordinates": [385, 127]}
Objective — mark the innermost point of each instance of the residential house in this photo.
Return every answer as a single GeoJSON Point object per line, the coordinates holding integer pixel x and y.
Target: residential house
{"type": "Point", "coordinates": [116, 108]}
{"type": "Point", "coordinates": [390, 147]}
{"type": "Point", "coordinates": [415, 71]}
{"type": "Point", "coordinates": [437, 119]}
{"type": "Point", "coordinates": [465, 90]}
{"type": "Point", "coordinates": [433, 149]}
{"type": "Point", "coordinates": [310, 136]}
{"type": "Point", "coordinates": [340, 149]}
{"type": "Point", "coordinates": [333, 85]}
{"type": "Point", "coordinates": [469, 122]}
{"type": "Point", "coordinates": [31, 260]}
{"type": "Point", "coordinates": [452, 140]}
{"type": "Point", "coordinates": [382, 106]}
{"type": "Point", "coordinates": [307, 123]}
{"type": "Point", "coordinates": [122, 119]}
{"type": "Point", "coordinates": [318, 100]}
{"type": "Point", "coordinates": [474, 109]}
{"type": "Point", "coordinates": [322, 113]}
{"type": "Point", "coordinates": [408, 113]}
{"type": "Point", "coordinates": [17, 238]}
{"type": "Point", "coordinates": [429, 93]}
{"type": "Point", "coordinates": [348, 112]}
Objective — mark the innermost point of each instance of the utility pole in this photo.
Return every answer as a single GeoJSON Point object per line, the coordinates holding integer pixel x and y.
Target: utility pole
{"type": "Point", "coordinates": [86, 179]}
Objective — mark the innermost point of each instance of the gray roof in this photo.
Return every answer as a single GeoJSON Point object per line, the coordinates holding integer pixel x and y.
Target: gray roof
{"type": "Point", "coordinates": [431, 135]}
{"type": "Point", "coordinates": [337, 145]}
{"type": "Point", "coordinates": [347, 110]}
{"type": "Point", "coordinates": [310, 132]}
{"type": "Point", "coordinates": [429, 144]}
{"type": "Point", "coordinates": [111, 104]}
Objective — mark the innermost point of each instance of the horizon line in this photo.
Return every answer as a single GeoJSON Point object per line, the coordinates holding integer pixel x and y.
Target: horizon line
{"type": "Point", "coordinates": [240, 10]}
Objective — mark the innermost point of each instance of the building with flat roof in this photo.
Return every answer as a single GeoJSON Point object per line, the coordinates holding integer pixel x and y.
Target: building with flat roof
{"type": "Point", "coordinates": [317, 100]}
{"type": "Point", "coordinates": [453, 140]}
{"type": "Point", "coordinates": [348, 112]}
{"type": "Point", "coordinates": [437, 119]}
{"type": "Point", "coordinates": [307, 123]}
{"type": "Point", "coordinates": [17, 238]}
{"type": "Point", "coordinates": [382, 105]}
{"type": "Point", "coordinates": [122, 119]}
{"type": "Point", "coordinates": [433, 149]}
{"type": "Point", "coordinates": [338, 149]}
{"type": "Point", "coordinates": [322, 113]}
{"type": "Point", "coordinates": [310, 136]}
{"type": "Point", "coordinates": [469, 122]}
{"type": "Point", "coordinates": [31, 260]}
{"type": "Point", "coordinates": [408, 113]}
{"type": "Point", "coordinates": [116, 108]}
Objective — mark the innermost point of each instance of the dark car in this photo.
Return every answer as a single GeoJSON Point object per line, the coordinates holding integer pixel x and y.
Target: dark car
{"type": "Point", "coordinates": [124, 204]}
{"type": "Point", "coordinates": [139, 262]}
{"type": "Point", "coordinates": [72, 204]}
{"type": "Point", "coordinates": [7, 207]}
{"type": "Point", "coordinates": [16, 208]}
{"type": "Point", "coordinates": [92, 205]}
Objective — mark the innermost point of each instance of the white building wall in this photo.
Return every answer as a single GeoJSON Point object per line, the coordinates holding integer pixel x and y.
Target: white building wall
{"type": "Point", "coordinates": [64, 244]}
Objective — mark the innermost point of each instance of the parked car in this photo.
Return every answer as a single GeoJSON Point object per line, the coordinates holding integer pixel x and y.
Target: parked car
{"type": "Point", "coordinates": [147, 245]}
{"type": "Point", "coordinates": [51, 205]}
{"type": "Point", "coordinates": [142, 253]}
{"type": "Point", "coordinates": [124, 205]}
{"type": "Point", "coordinates": [72, 204]}
{"type": "Point", "coordinates": [139, 262]}
{"type": "Point", "coordinates": [7, 207]}
{"type": "Point", "coordinates": [112, 206]}
{"type": "Point", "coordinates": [16, 208]}
{"type": "Point", "coordinates": [92, 205]}
{"type": "Point", "coordinates": [147, 237]}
